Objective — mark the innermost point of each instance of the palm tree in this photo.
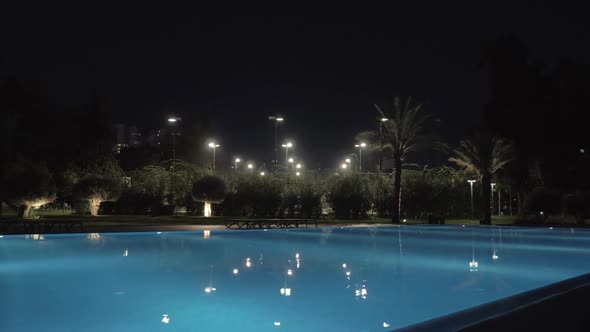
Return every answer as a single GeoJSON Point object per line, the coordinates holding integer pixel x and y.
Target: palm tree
{"type": "Point", "coordinates": [483, 155]}
{"type": "Point", "coordinates": [402, 133]}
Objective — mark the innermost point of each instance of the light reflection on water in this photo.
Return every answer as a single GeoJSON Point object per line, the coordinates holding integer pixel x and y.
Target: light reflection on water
{"type": "Point", "coordinates": [349, 279]}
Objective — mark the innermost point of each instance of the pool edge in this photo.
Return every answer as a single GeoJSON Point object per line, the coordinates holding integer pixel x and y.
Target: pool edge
{"type": "Point", "coordinates": [473, 318]}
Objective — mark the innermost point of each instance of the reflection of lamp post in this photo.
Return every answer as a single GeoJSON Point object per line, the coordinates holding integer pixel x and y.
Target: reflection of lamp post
{"type": "Point", "coordinates": [214, 146]}
{"type": "Point", "coordinates": [471, 182]}
{"type": "Point", "coordinates": [360, 146]}
{"type": "Point", "coordinates": [172, 121]}
{"type": "Point", "coordinates": [276, 119]}
{"type": "Point", "coordinates": [287, 145]}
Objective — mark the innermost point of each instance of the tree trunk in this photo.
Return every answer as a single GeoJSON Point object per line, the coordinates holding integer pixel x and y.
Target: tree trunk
{"type": "Point", "coordinates": [397, 177]}
{"type": "Point", "coordinates": [207, 212]}
{"type": "Point", "coordinates": [26, 212]}
{"type": "Point", "coordinates": [486, 195]}
{"type": "Point", "coordinates": [93, 207]}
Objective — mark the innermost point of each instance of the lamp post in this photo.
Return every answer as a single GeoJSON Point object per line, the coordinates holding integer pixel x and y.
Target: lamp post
{"type": "Point", "coordinates": [213, 146]}
{"type": "Point", "coordinates": [381, 142]}
{"type": "Point", "coordinates": [276, 119]}
{"type": "Point", "coordinates": [360, 146]}
{"type": "Point", "coordinates": [291, 161]}
{"type": "Point", "coordinates": [236, 164]}
{"type": "Point", "coordinates": [471, 182]}
{"type": "Point", "coordinates": [492, 201]}
{"type": "Point", "coordinates": [251, 168]}
{"type": "Point", "coordinates": [172, 121]}
{"type": "Point", "coordinates": [287, 145]}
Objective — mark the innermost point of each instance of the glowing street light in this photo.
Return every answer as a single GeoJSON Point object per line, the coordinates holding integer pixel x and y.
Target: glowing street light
{"type": "Point", "coordinates": [262, 173]}
{"type": "Point", "coordinates": [471, 182]}
{"type": "Point", "coordinates": [251, 167]}
{"type": "Point", "coordinates": [297, 173]}
{"type": "Point", "coordinates": [344, 166]}
{"type": "Point", "coordinates": [360, 146]}
{"type": "Point", "coordinates": [276, 119]}
{"type": "Point", "coordinates": [213, 146]}
{"type": "Point", "coordinates": [172, 121]}
{"type": "Point", "coordinates": [287, 145]}
{"type": "Point", "coordinates": [298, 166]}
{"type": "Point", "coordinates": [291, 160]}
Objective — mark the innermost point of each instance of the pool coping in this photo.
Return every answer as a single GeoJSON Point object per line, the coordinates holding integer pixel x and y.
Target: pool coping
{"type": "Point", "coordinates": [474, 318]}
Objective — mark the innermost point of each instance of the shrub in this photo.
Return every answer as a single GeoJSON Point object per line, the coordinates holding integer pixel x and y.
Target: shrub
{"type": "Point", "coordinates": [259, 196]}
{"type": "Point", "coordinates": [382, 188]}
{"type": "Point", "coordinates": [349, 196]}
{"type": "Point", "coordinates": [27, 187]}
{"type": "Point", "coordinates": [578, 205]}
{"type": "Point", "coordinates": [95, 190]}
{"type": "Point", "coordinates": [209, 189]}
{"type": "Point", "coordinates": [310, 197]}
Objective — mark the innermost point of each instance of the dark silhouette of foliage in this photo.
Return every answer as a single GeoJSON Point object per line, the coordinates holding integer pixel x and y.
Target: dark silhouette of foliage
{"type": "Point", "coordinates": [27, 186]}
{"type": "Point", "coordinates": [210, 189]}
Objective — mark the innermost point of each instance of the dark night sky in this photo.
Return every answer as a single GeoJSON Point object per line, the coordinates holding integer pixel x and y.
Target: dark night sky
{"type": "Point", "coordinates": [322, 67]}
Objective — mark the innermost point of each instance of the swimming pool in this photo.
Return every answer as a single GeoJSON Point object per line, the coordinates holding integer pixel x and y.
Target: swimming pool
{"type": "Point", "coordinates": [326, 279]}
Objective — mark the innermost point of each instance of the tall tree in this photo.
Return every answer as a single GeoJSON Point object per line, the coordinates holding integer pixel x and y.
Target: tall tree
{"type": "Point", "coordinates": [402, 134]}
{"type": "Point", "coordinates": [484, 155]}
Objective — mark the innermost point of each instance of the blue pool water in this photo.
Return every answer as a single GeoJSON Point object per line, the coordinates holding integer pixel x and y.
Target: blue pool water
{"type": "Point", "coordinates": [240, 280]}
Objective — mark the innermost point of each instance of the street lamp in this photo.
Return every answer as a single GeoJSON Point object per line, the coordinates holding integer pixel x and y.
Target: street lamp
{"type": "Point", "coordinates": [298, 166]}
{"type": "Point", "coordinates": [291, 160]}
{"type": "Point", "coordinates": [343, 166]}
{"type": "Point", "coordinates": [236, 164]}
{"type": "Point", "coordinates": [360, 146]}
{"type": "Point", "coordinates": [251, 168]}
{"type": "Point", "coordinates": [261, 173]}
{"type": "Point", "coordinates": [493, 184]}
{"type": "Point", "coordinates": [276, 119]}
{"type": "Point", "coordinates": [297, 173]}
{"type": "Point", "coordinates": [287, 145]}
{"type": "Point", "coordinates": [383, 120]}
{"type": "Point", "coordinates": [172, 121]}
{"type": "Point", "coordinates": [471, 182]}
{"type": "Point", "coordinates": [213, 146]}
